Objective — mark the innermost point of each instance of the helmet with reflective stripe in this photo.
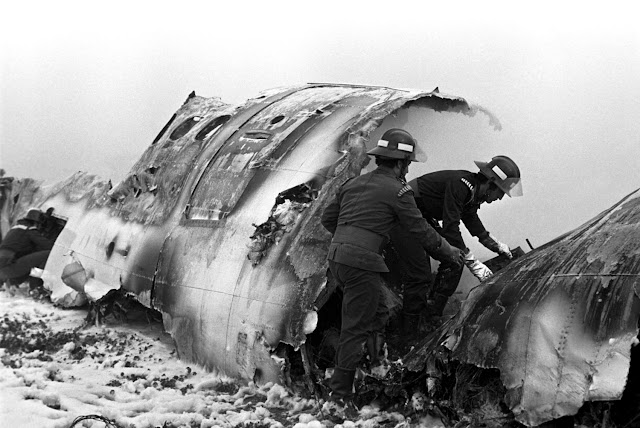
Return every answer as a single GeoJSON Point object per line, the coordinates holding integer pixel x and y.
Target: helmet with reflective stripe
{"type": "Point", "coordinates": [504, 172]}
{"type": "Point", "coordinates": [395, 144]}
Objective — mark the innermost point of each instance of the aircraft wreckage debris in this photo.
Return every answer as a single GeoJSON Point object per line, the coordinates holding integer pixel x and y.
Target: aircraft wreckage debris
{"type": "Point", "coordinates": [559, 323]}
{"type": "Point", "coordinates": [216, 227]}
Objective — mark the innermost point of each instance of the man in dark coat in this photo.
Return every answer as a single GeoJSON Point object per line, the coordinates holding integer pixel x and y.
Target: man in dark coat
{"type": "Point", "coordinates": [23, 248]}
{"type": "Point", "coordinates": [360, 217]}
{"type": "Point", "coordinates": [5, 191]}
{"type": "Point", "coordinates": [446, 198]}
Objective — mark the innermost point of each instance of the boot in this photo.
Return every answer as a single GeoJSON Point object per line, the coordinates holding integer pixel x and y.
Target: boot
{"type": "Point", "coordinates": [340, 406]}
{"type": "Point", "coordinates": [341, 384]}
{"type": "Point", "coordinates": [34, 283]}
{"type": "Point", "coordinates": [340, 410]}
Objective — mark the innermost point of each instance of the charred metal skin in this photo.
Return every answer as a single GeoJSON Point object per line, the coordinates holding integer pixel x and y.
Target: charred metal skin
{"type": "Point", "coordinates": [560, 322]}
{"type": "Point", "coordinates": [176, 232]}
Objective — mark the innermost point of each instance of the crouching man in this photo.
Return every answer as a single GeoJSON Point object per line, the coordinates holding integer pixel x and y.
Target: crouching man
{"type": "Point", "coordinates": [23, 248]}
{"type": "Point", "coordinates": [445, 199]}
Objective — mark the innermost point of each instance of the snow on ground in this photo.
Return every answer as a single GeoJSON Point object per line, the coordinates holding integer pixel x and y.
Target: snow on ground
{"type": "Point", "coordinates": [128, 374]}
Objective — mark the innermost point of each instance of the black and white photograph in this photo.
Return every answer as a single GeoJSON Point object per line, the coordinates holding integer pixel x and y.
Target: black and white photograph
{"type": "Point", "coordinates": [319, 214]}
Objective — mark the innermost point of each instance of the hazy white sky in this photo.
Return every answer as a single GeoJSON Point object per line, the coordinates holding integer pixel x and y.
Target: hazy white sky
{"type": "Point", "coordinates": [87, 86]}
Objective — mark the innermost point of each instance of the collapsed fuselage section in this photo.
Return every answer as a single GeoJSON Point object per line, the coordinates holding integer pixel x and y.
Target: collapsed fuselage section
{"type": "Point", "coordinates": [217, 224]}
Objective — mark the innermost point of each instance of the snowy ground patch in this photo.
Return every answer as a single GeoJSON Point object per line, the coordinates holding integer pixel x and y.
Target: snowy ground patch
{"type": "Point", "coordinates": [127, 374]}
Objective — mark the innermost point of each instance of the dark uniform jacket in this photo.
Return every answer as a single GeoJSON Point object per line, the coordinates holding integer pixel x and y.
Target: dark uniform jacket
{"type": "Point", "coordinates": [20, 241]}
{"type": "Point", "coordinates": [362, 214]}
{"type": "Point", "coordinates": [449, 196]}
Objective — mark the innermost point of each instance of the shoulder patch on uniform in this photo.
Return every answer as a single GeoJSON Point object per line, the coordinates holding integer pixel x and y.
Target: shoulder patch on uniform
{"type": "Point", "coordinates": [466, 182]}
{"type": "Point", "coordinates": [404, 190]}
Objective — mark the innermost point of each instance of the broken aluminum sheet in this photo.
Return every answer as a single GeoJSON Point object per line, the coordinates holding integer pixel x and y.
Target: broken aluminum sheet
{"type": "Point", "coordinates": [558, 323]}
{"type": "Point", "coordinates": [179, 232]}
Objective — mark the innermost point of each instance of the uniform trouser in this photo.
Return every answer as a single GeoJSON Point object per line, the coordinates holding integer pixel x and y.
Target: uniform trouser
{"type": "Point", "coordinates": [417, 275]}
{"type": "Point", "coordinates": [363, 313]}
{"type": "Point", "coordinates": [416, 266]}
{"type": "Point", "coordinates": [19, 269]}
{"type": "Point", "coordinates": [444, 286]}
{"type": "Point", "coordinates": [447, 279]}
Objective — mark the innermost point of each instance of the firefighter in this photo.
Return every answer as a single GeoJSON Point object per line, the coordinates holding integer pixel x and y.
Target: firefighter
{"type": "Point", "coordinates": [445, 198]}
{"type": "Point", "coordinates": [360, 217]}
{"type": "Point", "coordinates": [23, 248]}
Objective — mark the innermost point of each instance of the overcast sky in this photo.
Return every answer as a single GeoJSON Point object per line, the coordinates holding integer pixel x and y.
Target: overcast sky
{"type": "Point", "coordinates": [87, 87]}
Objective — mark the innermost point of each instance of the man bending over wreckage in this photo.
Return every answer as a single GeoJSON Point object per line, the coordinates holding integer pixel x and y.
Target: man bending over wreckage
{"type": "Point", "coordinates": [23, 248]}
{"type": "Point", "coordinates": [360, 217]}
{"type": "Point", "coordinates": [449, 197]}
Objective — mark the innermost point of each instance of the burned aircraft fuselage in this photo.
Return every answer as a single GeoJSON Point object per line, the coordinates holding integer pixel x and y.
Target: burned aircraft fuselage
{"type": "Point", "coordinates": [217, 227]}
{"type": "Point", "coordinates": [210, 226]}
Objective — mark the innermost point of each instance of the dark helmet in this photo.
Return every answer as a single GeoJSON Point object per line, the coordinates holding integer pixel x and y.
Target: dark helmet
{"type": "Point", "coordinates": [504, 172]}
{"type": "Point", "coordinates": [395, 144]}
{"type": "Point", "coordinates": [33, 214]}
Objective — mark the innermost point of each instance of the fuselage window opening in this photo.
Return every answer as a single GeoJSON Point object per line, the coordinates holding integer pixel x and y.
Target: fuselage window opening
{"type": "Point", "coordinates": [184, 127]}
{"type": "Point", "coordinates": [212, 127]}
{"type": "Point", "coordinates": [277, 119]}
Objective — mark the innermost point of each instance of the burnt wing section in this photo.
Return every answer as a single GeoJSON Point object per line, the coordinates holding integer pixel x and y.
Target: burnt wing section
{"type": "Point", "coordinates": [559, 322]}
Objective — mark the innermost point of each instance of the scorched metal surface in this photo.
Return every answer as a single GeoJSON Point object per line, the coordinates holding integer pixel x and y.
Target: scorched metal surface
{"type": "Point", "coordinates": [558, 323]}
{"type": "Point", "coordinates": [186, 231]}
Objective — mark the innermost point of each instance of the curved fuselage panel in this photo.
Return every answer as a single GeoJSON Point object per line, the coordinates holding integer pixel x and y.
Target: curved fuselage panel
{"type": "Point", "coordinates": [559, 323]}
{"type": "Point", "coordinates": [217, 225]}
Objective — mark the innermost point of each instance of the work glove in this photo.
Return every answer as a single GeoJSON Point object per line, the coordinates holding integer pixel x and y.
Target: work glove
{"type": "Point", "coordinates": [449, 254]}
{"type": "Point", "coordinates": [477, 268]}
{"type": "Point", "coordinates": [496, 246]}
